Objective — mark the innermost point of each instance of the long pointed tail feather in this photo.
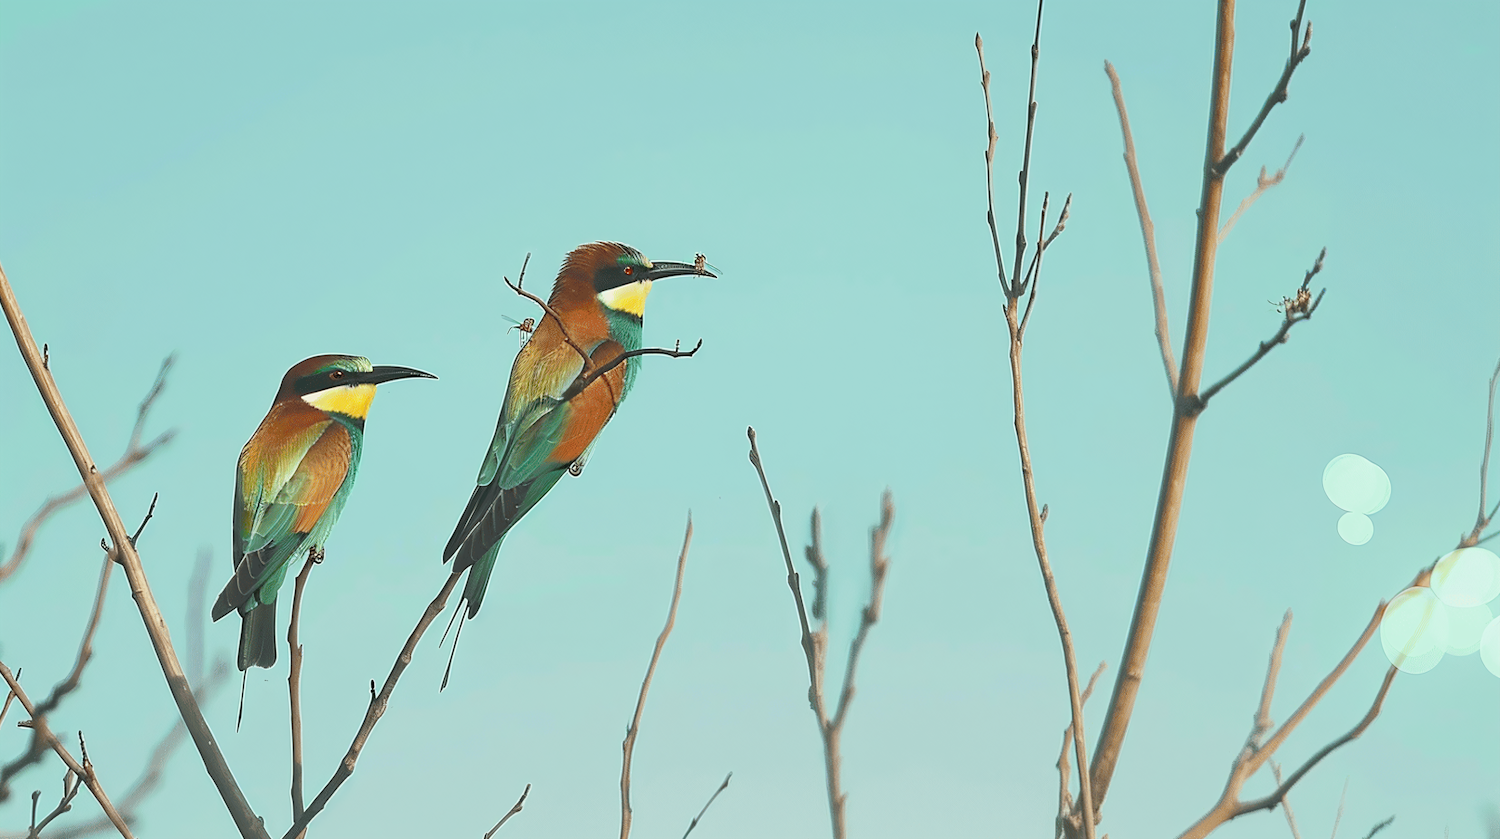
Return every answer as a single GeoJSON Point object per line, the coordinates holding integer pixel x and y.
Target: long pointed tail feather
{"type": "Point", "coordinates": [479, 579]}
{"type": "Point", "coordinates": [258, 637]}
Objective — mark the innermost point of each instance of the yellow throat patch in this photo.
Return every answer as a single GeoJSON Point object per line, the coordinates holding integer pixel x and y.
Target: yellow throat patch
{"type": "Point", "coordinates": [629, 298]}
{"type": "Point", "coordinates": [349, 400]}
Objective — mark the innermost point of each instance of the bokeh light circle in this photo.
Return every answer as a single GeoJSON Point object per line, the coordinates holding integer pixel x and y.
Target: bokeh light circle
{"type": "Point", "coordinates": [1414, 630]}
{"type": "Point", "coordinates": [1489, 647]}
{"type": "Point", "coordinates": [1467, 577]}
{"type": "Point", "coordinates": [1466, 625]}
{"type": "Point", "coordinates": [1356, 528]}
{"type": "Point", "coordinates": [1356, 485]}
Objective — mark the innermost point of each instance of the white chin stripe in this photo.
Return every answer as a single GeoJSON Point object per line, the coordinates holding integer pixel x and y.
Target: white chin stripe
{"type": "Point", "coordinates": [629, 298]}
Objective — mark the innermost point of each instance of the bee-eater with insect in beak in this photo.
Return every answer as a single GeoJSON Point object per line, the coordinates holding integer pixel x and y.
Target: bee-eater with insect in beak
{"type": "Point", "coordinates": [291, 484]}
{"type": "Point", "coordinates": [546, 428]}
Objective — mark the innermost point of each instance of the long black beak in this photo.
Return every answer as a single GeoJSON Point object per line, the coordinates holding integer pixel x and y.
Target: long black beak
{"type": "Point", "coordinates": [388, 373]}
{"type": "Point", "coordinates": [658, 270]}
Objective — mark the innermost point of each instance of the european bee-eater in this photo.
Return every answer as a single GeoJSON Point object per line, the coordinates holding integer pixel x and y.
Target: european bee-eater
{"type": "Point", "coordinates": [542, 433]}
{"type": "Point", "coordinates": [291, 484]}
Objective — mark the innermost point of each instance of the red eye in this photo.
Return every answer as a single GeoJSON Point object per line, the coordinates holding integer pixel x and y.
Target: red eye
{"type": "Point", "coordinates": [629, 270]}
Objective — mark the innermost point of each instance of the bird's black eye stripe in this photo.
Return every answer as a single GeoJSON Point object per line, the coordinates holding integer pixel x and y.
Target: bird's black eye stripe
{"type": "Point", "coordinates": [337, 374]}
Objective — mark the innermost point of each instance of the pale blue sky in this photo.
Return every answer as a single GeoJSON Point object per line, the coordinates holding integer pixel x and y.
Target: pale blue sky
{"type": "Point", "coordinates": [249, 184]}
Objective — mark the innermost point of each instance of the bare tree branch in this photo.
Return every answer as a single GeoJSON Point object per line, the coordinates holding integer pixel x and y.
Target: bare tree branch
{"type": "Point", "coordinates": [1148, 233]}
{"type": "Point", "coordinates": [1184, 423]}
{"type": "Point", "coordinates": [294, 679]}
{"type": "Point", "coordinates": [628, 747]}
{"type": "Point", "coordinates": [38, 748]}
{"type": "Point", "coordinates": [84, 770]}
{"type": "Point", "coordinates": [203, 687]}
{"type": "Point", "coordinates": [124, 551]}
{"type": "Point", "coordinates": [134, 454]}
{"type": "Point", "coordinates": [70, 786]}
{"type": "Point", "coordinates": [1294, 310]}
{"type": "Point", "coordinates": [1286, 805]}
{"type": "Point", "coordinates": [378, 704]}
{"type": "Point", "coordinates": [1064, 768]}
{"type": "Point", "coordinates": [514, 809]}
{"type": "Point", "coordinates": [1484, 519]}
{"type": "Point", "coordinates": [1083, 820]}
{"type": "Point", "coordinates": [1278, 93]}
{"type": "Point", "coordinates": [1379, 826]}
{"type": "Point", "coordinates": [699, 817]}
{"type": "Point", "coordinates": [1262, 184]}
{"type": "Point", "coordinates": [815, 643]}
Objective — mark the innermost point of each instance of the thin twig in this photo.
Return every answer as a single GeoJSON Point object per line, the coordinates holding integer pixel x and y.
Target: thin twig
{"type": "Point", "coordinates": [1278, 93]}
{"type": "Point", "coordinates": [583, 381]}
{"type": "Point", "coordinates": [85, 652]}
{"type": "Point", "coordinates": [1339, 814]}
{"type": "Point", "coordinates": [1064, 767]}
{"type": "Point", "coordinates": [244, 817]}
{"type": "Point", "coordinates": [1294, 310]}
{"type": "Point", "coordinates": [1023, 177]}
{"type": "Point", "coordinates": [514, 809]}
{"type": "Point", "coordinates": [378, 704]}
{"type": "Point", "coordinates": [1286, 805]}
{"type": "Point", "coordinates": [628, 747]}
{"type": "Point", "coordinates": [546, 307]}
{"type": "Point", "coordinates": [134, 454]}
{"type": "Point", "coordinates": [699, 817]}
{"type": "Point", "coordinates": [10, 696]}
{"type": "Point", "coordinates": [82, 770]}
{"type": "Point", "coordinates": [38, 746]}
{"type": "Point", "coordinates": [1484, 519]}
{"type": "Point", "coordinates": [989, 165]}
{"type": "Point", "coordinates": [1379, 827]}
{"type": "Point", "coordinates": [1262, 184]}
{"type": "Point", "coordinates": [294, 680]}
{"type": "Point", "coordinates": [1148, 233]}
{"type": "Point", "coordinates": [70, 786]}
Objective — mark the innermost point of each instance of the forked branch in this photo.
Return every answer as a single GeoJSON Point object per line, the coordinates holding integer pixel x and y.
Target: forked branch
{"type": "Point", "coordinates": [815, 643]}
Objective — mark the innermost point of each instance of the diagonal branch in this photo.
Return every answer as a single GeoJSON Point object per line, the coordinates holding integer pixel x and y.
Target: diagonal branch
{"type": "Point", "coordinates": [124, 552]}
{"type": "Point", "coordinates": [640, 703]}
{"type": "Point", "coordinates": [1064, 768]}
{"type": "Point", "coordinates": [1263, 183]}
{"type": "Point", "coordinates": [1278, 93]}
{"type": "Point", "coordinates": [1148, 233]}
{"type": "Point", "coordinates": [1294, 310]}
{"type": "Point", "coordinates": [134, 454]}
{"type": "Point", "coordinates": [83, 770]}
{"type": "Point", "coordinates": [699, 817]}
{"type": "Point", "coordinates": [514, 809]}
{"type": "Point", "coordinates": [1484, 519]}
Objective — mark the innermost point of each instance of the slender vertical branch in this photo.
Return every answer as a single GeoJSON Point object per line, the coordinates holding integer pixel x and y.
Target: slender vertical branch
{"type": "Point", "coordinates": [628, 747]}
{"type": "Point", "coordinates": [1023, 177]}
{"type": "Point", "coordinates": [124, 552]}
{"type": "Point", "coordinates": [1180, 444]}
{"type": "Point", "coordinates": [294, 680]}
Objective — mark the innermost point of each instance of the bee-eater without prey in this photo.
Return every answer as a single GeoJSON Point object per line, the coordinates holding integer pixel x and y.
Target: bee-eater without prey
{"type": "Point", "coordinates": [291, 484]}
{"type": "Point", "coordinates": [542, 433]}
